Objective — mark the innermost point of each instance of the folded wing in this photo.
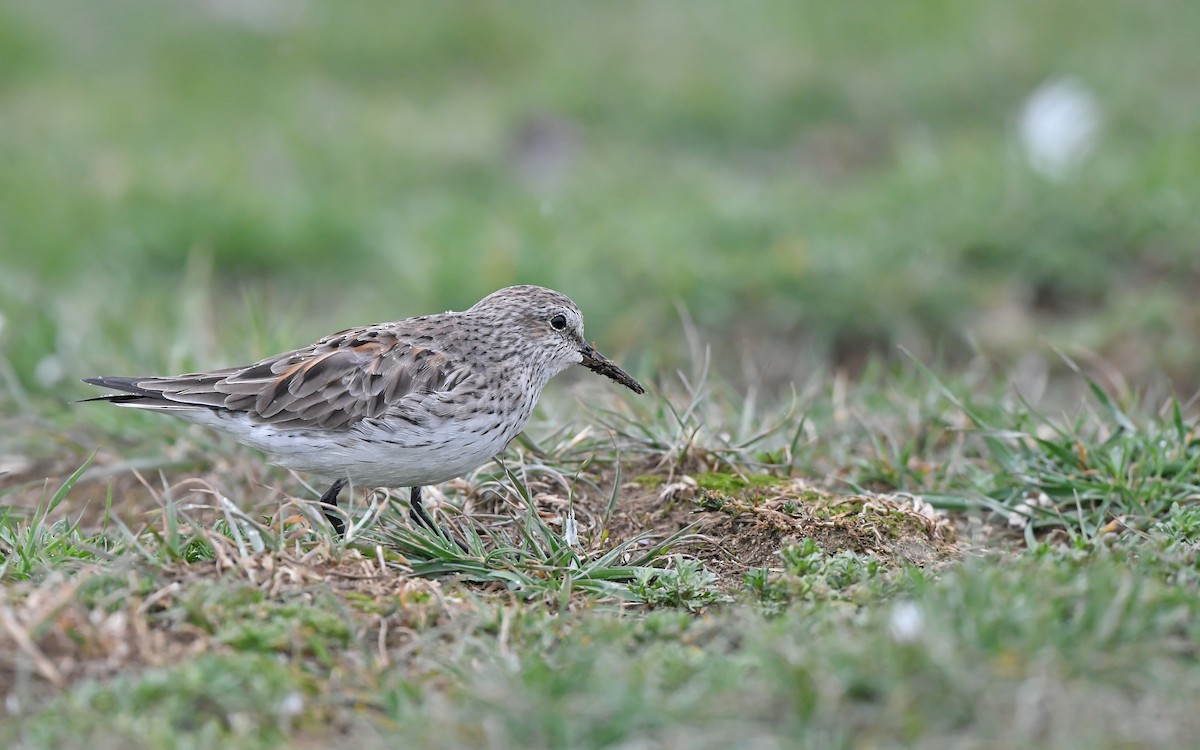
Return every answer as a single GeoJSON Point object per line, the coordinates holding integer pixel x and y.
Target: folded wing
{"type": "Point", "coordinates": [333, 384]}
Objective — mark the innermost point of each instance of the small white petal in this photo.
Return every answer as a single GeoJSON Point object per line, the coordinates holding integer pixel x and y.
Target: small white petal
{"type": "Point", "coordinates": [907, 622]}
{"type": "Point", "coordinates": [292, 705]}
{"type": "Point", "coordinates": [1018, 517]}
{"type": "Point", "coordinates": [1058, 127]}
{"type": "Point", "coordinates": [571, 529]}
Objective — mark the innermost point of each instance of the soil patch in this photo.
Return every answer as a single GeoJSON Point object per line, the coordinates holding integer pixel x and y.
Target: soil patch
{"type": "Point", "coordinates": [732, 532]}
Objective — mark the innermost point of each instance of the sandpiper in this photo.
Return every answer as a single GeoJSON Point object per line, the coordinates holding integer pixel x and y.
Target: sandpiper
{"type": "Point", "coordinates": [404, 404]}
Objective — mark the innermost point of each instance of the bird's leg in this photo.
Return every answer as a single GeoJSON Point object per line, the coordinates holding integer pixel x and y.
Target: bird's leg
{"type": "Point", "coordinates": [417, 512]}
{"type": "Point", "coordinates": [330, 498]}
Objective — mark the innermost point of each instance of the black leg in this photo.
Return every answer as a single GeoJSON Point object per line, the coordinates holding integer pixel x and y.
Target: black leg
{"type": "Point", "coordinates": [417, 512]}
{"type": "Point", "coordinates": [331, 498]}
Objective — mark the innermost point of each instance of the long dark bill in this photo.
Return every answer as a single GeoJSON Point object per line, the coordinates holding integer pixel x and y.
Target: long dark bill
{"type": "Point", "coordinates": [597, 362]}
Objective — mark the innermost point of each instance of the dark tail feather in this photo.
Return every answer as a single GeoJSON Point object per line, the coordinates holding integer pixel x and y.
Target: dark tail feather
{"type": "Point", "coordinates": [116, 398]}
{"type": "Point", "coordinates": [159, 394]}
{"type": "Point", "coordinates": [132, 392]}
{"type": "Point", "coordinates": [167, 394]}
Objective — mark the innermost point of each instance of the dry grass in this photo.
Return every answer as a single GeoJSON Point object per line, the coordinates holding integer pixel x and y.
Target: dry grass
{"type": "Point", "coordinates": [96, 619]}
{"type": "Point", "coordinates": [206, 598]}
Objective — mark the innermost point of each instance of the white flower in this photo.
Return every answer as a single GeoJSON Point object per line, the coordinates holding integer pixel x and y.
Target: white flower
{"type": "Point", "coordinates": [907, 622]}
{"type": "Point", "coordinates": [1058, 127]}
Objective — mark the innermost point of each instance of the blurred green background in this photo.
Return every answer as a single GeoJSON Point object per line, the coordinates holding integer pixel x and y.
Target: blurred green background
{"type": "Point", "coordinates": [192, 184]}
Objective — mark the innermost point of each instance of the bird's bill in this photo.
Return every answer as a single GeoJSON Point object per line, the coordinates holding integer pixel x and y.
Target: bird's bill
{"type": "Point", "coordinates": [597, 362]}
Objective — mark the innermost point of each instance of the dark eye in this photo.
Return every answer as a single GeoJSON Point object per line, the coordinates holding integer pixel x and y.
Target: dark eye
{"type": "Point", "coordinates": [558, 322]}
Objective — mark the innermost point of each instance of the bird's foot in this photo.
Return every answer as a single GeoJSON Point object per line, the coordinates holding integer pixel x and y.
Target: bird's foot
{"type": "Point", "coordinates": [421, 517]}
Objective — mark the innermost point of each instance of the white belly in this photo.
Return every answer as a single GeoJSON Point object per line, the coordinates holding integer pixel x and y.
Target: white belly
{"type": "Point", "coordinates": [371, 454]}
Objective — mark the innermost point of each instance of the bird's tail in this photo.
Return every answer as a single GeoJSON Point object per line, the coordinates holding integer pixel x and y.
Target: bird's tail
{"type": "Point", "coordinates": [141, 393]}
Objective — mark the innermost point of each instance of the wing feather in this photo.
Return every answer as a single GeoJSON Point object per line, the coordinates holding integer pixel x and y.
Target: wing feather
{"type": "Point", "coordinates": [332, 384]}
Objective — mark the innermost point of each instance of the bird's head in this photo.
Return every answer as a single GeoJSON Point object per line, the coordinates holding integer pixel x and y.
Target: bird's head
{"type": "Point", "coordinates": [552, 327]}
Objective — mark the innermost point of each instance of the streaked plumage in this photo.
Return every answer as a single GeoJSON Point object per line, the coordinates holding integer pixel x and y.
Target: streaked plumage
{"type": "Point", "coordinates": [404, 404]}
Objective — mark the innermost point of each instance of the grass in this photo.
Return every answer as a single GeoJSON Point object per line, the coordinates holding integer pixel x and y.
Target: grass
{"type": "Point", "coordinates": [536, 562]}
{"type": "Point", "coordinates": [253, 627]}
{"type": "Point", "coordinates": [835, 184]}
{"type": "Point", "coordinates": [917, 468]}
{"type": "Point", "coordinates": [1107, 645]}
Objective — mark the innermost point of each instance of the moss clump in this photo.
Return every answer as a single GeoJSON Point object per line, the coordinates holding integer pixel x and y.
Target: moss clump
{"type": "Point", "coordinates": [896, 524]}
{"type": "Point", "coordinates": [728, 484]}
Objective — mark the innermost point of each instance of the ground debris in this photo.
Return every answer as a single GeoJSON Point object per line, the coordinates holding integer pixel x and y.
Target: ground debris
{"type": "Point", "coordinates": [97, 621]}
{"type": "Point", "coordinates": [745, 528]}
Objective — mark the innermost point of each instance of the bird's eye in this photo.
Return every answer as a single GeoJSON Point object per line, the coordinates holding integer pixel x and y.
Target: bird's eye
{"type": "Point", "coordinates": [558, 322]}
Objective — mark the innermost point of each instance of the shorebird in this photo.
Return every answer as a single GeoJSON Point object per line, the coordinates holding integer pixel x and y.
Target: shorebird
{"type": "Point", "coordinates": [405, 404]}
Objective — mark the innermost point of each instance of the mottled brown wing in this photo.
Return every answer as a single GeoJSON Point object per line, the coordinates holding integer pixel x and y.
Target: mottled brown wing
{"type": "Point", "coordinates": [336, 382]}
